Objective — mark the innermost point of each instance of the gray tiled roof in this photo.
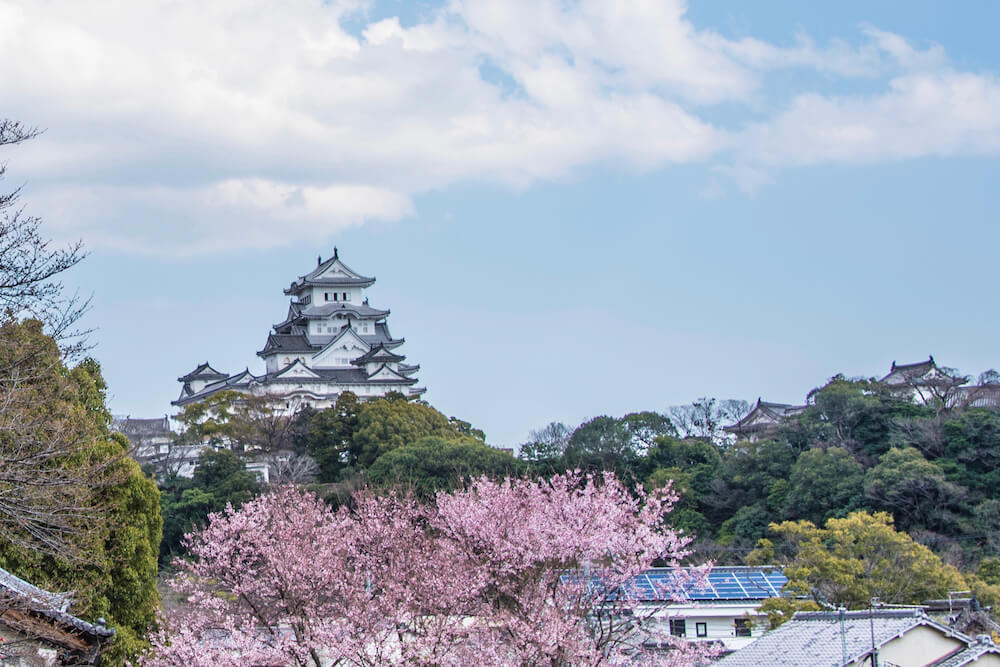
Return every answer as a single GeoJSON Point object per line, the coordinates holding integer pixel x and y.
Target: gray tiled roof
{"type": "Point", "coordinates": [326, 309]}
{"type": "Point", "coordinates": [287, 343]}
{"type": "Point", "coordinates": [814, 638]}
{"type": "Point", "coordinates": [377, 353]}
{"type": "Point", "coordinates": [142, 427]}
{"type": "Point", "coordinates": [337, 375]}
{"type": "Point", "coordinates": [969, 654]}
{"type": "Point", "coordinates": [202, 372]}
{"type": "Point", "coordinates": [775, 412]}
{"type": "Point", "coordinates": [51, 605]}
{"type": "Point", "coordinates": [352, 279]}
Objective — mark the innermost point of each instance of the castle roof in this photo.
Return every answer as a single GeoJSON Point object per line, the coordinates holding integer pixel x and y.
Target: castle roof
{"type": "Point", "coordinates": [764, 415]}
{"type": "Point", "coordinates": [335, 375]}
{"type": "Point", "coordinates": [142, 427]}
{"type": "Point", "coordinates": [363, 311]}
{"type": "Point", "coordinates": [202, 372]}
{"type": "Point", "coordinates": [240, 380]}
{"type": "Point", "coordinates": [378, 353]}
{"type": "Point", "coordinates": [331, 273]}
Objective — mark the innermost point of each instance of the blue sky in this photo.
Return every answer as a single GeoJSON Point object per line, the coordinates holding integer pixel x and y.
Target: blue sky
{"type": "Point", "coordinates": [572, 208]}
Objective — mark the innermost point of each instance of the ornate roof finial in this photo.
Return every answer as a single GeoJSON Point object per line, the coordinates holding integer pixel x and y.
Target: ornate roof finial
{"type": "Point", "coordinates": [319, 260]}
{"type": "Point", "coordinates": [335, 252]}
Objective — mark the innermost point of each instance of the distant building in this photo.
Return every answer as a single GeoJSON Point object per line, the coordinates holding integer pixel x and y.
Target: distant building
{"type": "Point", "coordinates": [149, 438]}
{"type": "Point", "coordinates": [762, 420]}
{"type": "Point", "coordinates": [331, 341]}
{"type": "Point", "coordinates": [898, 637]}
{"type": "Point", "coordinates": [36, 628]}
{"type": "Point", "coordinates": [922, 382]}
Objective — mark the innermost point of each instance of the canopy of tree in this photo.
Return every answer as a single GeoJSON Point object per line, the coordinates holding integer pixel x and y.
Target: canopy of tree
{"type": "Point", "coordinates": [477, 576]}
{"type": "Point", "coordinates": [79, 515]}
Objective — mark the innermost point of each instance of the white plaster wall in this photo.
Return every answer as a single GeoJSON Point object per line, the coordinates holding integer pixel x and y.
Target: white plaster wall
{"type": "Point", "coordinates": [720, 622]}
{"type": "Point", "coordinates": [920, 646]}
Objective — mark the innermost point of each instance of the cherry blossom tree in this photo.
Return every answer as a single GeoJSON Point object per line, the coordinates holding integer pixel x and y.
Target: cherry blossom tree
{"type": "Point", "coordinates": [514, 573]}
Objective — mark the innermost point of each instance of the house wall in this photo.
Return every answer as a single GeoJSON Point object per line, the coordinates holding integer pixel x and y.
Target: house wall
{"type": "Point", "coordinates": [719, 620]}
{"type": "Point", "coordinates": [920, 646]}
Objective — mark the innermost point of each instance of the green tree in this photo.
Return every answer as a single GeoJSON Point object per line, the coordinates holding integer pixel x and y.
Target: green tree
{"type": "Point", "coordinates": [433, 464]}
{"type": "Point", "coordinates": [751, 473]}
{"type": "Point", "coordinates": [913, 489]}
{"type": "Point", "coordinates": [330, 437]}
{"type": "Point", "coordinates": [860, 557]}
{"type": "Point", "coordinates": [387, 423]}
{"type": "Point", "coordinates": [823, 484]}
{"type": "Point", "coordinates": [605, 443]}
{"type": "Point", "coordinates": [855, 414]}
{"type": "Point", "coordinates": [111, 561]}
{"type": "Point", "coordinates": [546, 445]}
{"type": "Point", "coordinates": [971, 454]}
{"type": "Point", "coordinates": [220, 478]}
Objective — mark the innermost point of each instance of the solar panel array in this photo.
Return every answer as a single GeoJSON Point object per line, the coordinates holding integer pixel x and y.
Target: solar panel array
{"type": "Point", "coordinates": [724, 583]}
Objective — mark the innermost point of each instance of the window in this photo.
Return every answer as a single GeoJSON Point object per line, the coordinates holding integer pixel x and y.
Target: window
{"type": "Point", "coordinates": [347, 297]}
{"type": "Point", "coordinates": [326, 296]}
{"type": "Point", "coordinates": [742, 627]}
{"type": "Point", "coordinates": [701, 629]}
{"type": "Point", "coordinates": [678, 627]}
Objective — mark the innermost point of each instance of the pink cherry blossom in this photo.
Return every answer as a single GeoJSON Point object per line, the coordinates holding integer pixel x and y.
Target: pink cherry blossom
{"type": "Point", "coordinates": [517, 572]}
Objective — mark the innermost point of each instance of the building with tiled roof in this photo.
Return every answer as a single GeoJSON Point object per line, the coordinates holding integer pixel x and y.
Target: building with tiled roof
{"type": "Point", "coordinates": [763, 419]}
{"type": "Point", "coordinates": [36, 627]}
{"type": "Point", "coordinates": [900, 637]}
{"type": "Point", "coordinates": [331, 341]}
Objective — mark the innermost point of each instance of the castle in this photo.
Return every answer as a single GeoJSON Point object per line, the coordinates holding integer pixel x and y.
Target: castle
{"type": "Point", "coordinates": [331, 341]}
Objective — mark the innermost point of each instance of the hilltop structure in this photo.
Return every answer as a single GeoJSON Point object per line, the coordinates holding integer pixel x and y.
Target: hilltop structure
{"type": "Point", "coordinates": [923, 383]}
{"type": "Point", "coordinates": [763, 420]}
{"type": "Point", "coordinates": [331, 341]}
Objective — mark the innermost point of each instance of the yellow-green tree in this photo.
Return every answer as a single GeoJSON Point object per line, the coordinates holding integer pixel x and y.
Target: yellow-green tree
{"type": "Point", "coordinates": [852, 560]}
{"type": "Point", "coordinates": [389, 423]}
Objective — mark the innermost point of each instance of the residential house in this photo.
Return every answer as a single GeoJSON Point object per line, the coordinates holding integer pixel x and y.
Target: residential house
{"type": "Point", "coordinates": [885, 637]}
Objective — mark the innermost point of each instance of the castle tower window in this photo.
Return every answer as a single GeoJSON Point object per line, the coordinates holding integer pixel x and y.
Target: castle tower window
{"type": "Point", "coordinates": [347, 297]}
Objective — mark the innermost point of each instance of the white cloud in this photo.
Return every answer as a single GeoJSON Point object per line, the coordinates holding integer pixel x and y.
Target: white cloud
{"type": "Point", "coordinates": [941, 114]}
{"type": "Point", "coordinates": [195, 117]}
{"type": "Point", "coordinates": [243, 213]}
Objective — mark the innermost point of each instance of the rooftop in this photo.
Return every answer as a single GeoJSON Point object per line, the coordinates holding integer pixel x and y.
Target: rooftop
{"type": "Point", "coordinates": [814, 638]}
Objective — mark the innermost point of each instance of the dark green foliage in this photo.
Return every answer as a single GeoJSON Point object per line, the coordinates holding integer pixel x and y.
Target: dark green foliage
{"type": "Point", "coordinates": [433, 464]}
{"type": "Point", "coordinates": [330, 435]}
{"type": "Point", "coordinates": [603, 443]}
{"type": "Point", "coordinates": [746, 527]}
{"type": "Point", "coordinates": [857, 415]}
{"type": "Point", "coordinates": [822, 484]}
{"type": "Point", "coordinates": [109, 561]}
{"type": "Point", "coordinates": [972, 451]}
{"type": "Point", "coordinates": [220, 478]}
{"type": "Point", "coordinates": [913, 489]}
{"type": "Point", "coordinates": [749, 474]}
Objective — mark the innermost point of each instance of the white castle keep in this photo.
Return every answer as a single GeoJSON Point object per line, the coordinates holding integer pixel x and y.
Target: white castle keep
{"type": "Point", "coordinates": [332, 341]}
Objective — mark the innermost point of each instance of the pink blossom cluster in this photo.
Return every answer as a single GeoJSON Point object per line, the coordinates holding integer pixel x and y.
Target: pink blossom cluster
{"type": "Point", "coordinates": [517, 572]}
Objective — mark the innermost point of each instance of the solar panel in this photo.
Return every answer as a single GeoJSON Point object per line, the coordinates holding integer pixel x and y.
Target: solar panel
{"type": "Point", "coordinates": [722, 583]}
